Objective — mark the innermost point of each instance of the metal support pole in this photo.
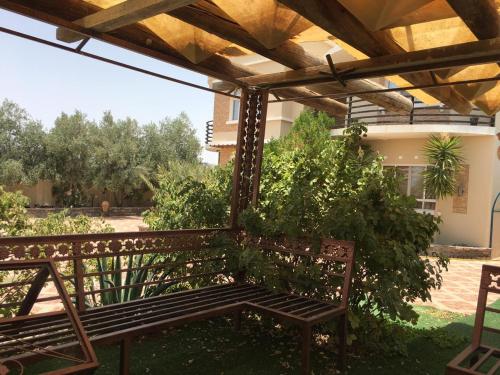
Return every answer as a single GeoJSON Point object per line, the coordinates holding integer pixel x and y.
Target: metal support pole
{"type": "Point", "coordinates": [249, 149]}
{"type": "Point", "coordinates": [349, 112]}
{"type": "Point", "coordinates": [492, 218]}
{"type": "Point", "coordinates": [412, 109]}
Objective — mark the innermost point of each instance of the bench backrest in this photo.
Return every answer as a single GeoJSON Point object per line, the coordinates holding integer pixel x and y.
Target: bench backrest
{"type": "Point", "coordinates": [334, 259]}
{"type": "Point", "coordinates": [109, 268]}
{"type": "Point", "coordinates": [490, 283]}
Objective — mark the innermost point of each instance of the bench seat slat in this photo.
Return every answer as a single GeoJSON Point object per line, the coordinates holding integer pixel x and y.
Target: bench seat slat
{"type": "Point", "coordinates": [223, 296]}
{"type": "Point", "coordinates": [115, 308]}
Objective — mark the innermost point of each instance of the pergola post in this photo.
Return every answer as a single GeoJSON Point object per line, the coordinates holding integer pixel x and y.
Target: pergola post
{"type": "Point", "coordinates": [249, 148]}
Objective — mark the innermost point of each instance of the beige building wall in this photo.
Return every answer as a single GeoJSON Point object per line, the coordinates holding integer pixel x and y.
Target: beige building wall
{"type": "Point", "coordinates": [470, 228]}
{"type": "Point", "coordinates": [226, 154]}
{"type": "Point", "coordinates": [39, 194]}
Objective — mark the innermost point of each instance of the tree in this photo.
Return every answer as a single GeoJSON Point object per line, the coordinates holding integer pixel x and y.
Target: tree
{"type": "Point", "coordinates": [444, 155]}
{"type": "Point", "coordinates": [69, 149]}
{"type": "Point", "coordinates": [190, 196]}
{"type": "Point", "coordinates": [22, 146]}
{"type": "Point", "coordinates": [116, 163]}
{"type": "Point", "coordinates": [316, 186]}
{"type": "Point", "coordinates": [170, 140]}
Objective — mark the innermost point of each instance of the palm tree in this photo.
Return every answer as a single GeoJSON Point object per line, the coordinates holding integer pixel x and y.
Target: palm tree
{"type": "Point", "coordinates": [444, 155]}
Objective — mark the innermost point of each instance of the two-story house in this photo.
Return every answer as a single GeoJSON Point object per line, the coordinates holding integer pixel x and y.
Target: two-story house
{"type": "Point", "coordinates": [400, 139]}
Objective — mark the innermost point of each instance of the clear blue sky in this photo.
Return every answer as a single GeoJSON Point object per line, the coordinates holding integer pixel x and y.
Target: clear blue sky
{"type": "Point", "coordinates": [47, 81]}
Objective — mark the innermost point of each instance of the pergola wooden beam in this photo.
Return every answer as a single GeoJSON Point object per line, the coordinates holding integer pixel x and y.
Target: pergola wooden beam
{"type": "Point", "coordinates": [120, 15]}
{"type": "Point", "coordinates": [331, 16]}
{"type": "Point", "coordinates": [139, 39]}
{"type": "Point", "coordinates": [288, 54]}
{"type": "Point", "coordinates": [465, 54]}
{"type": "Point", "coordinates": [481, 16]}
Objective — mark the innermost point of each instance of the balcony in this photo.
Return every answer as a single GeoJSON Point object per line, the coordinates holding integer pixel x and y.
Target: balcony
{"type": "Point", "coordinates": [421, 113]}
{"type": "Point", "coordinates": [209, 132]}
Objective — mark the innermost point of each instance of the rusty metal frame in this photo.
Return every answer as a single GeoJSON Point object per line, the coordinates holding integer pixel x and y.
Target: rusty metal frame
{"type": "Point", "coordinates": [477, 354]}
{"type": "Point", "coordinates": [118, 322]}
{"type": "Point", "coordinates": [47, 268]}
{"type": "Point", "coordinates": [249, 151]}
{"type": "Point", "coordinates": [72, 251]}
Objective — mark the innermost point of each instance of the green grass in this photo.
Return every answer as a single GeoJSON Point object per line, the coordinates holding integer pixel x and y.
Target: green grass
{"type": "Point", "coordinates": [212, 347]}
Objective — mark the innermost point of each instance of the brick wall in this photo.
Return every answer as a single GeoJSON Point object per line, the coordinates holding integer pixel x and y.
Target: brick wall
{"type": "Point", "coordinates": [226, 154]}
{"type": "Point", "coordinates": [221, 113]}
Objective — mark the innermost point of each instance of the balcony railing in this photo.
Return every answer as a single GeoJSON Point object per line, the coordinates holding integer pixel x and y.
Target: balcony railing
{"type": "Point", "coordinates": [370, 114]}
{"type": "Point", "coordinates": [209, 132]}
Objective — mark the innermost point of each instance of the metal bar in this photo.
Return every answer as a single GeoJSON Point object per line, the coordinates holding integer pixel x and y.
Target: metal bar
{"type": "Point", "coordinates": [110, 61]}
{"type": "Point", "coordinates": [333, 70]}
{"type": "Point", "coordinates": [78, 268]}
{"type": "Point", "coordinates": [34, 291]}
{"type": "Point", "coordinates": [82, 44]}
{"type": "Point", "coordinates": [412, 109]}
{"type": "Point", "coordinates": [392, 89]}
{"type": "Point", "coordinates": [349, 111]}
{"type": "Point", "coordinates": [261, 129]}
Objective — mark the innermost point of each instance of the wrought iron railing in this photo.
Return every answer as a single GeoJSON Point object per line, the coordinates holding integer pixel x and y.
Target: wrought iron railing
{"type": "Point", "coordinates": [421, 113]}
{"type": "Point", "coordinates": [107, 268]}
{"type": "Point", "coordinates": [209, 132]}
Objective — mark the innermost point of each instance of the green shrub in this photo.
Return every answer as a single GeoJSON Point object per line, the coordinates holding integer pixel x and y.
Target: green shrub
{"type": "Point", "coordinates": [62, 223]}
{"type": "Point", "coordinates": [191, 198]}
{"type": "Point", "coordinates": [13, 214]}
{"type": "Point", "coordinates": [314, 186]}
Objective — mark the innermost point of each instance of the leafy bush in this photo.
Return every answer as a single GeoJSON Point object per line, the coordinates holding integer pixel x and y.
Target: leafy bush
{"type": "Point", "coordinates": [314, 186]}
{"type": "Point", "coordinates": [13, 214]}
{"type": "Point", "coordinates": [188, 197]}
{"type": "Point", "coordinates": [62, 223]}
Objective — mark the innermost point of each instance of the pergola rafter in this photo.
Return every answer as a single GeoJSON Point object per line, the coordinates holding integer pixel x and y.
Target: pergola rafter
{"type": "Point", "coordinates": [122, 14]}
{"type": "Point", "coordinates": [459, 55]}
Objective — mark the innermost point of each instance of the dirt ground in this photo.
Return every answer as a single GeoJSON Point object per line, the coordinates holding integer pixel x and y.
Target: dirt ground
{"type": "Point", "coordinates": [125, 223]}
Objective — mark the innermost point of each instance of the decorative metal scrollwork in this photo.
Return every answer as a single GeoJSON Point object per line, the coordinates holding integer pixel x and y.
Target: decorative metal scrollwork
{"type": "Point", "coordinates": [251, 131]}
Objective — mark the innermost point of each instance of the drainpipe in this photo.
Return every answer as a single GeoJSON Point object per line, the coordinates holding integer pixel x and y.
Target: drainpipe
{"type": "Point", "coordinates": [492, 218]}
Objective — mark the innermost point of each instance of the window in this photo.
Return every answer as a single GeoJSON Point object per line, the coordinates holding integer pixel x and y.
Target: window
{"type": "Point", "coordinates": [412, 183]}
{"type": "Point", "coordinates": [234, 114]}
{"type": "Point", "coordinates": [235, 109]}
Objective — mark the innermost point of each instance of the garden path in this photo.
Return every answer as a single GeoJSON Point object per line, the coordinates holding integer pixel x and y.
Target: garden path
{"type": "Point", "coordinates": [460, 286]}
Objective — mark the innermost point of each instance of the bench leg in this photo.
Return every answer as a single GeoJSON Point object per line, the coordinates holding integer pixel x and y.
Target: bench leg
{"type": "Point", "coordinates": [306, 350]}
{"type": "Point", "coordinates": [342, 332]}
{"type": "Point", "coordinates": [125, 346]}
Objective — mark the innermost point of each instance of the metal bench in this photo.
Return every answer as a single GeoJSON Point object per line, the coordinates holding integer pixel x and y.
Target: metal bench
{"type": "Point", "coordinates": [121, 322]}
{"type": "Point", "coordinates": [478, 358]}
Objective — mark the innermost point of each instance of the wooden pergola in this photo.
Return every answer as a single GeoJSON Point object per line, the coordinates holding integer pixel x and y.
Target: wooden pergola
{"type": "Point", "coordinates": [439, 50]}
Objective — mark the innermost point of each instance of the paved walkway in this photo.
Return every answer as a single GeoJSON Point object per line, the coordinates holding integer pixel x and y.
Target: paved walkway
{"type": "Point", "coordinates": [125, 223]}
{"type": "Point", "coordinates": [460, 286]}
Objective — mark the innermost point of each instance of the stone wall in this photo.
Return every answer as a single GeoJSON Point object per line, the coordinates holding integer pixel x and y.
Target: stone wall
{"type": "Point", "coordinates": [460, 251]}
{"type": "Point", "coordinates": [89, 211]}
